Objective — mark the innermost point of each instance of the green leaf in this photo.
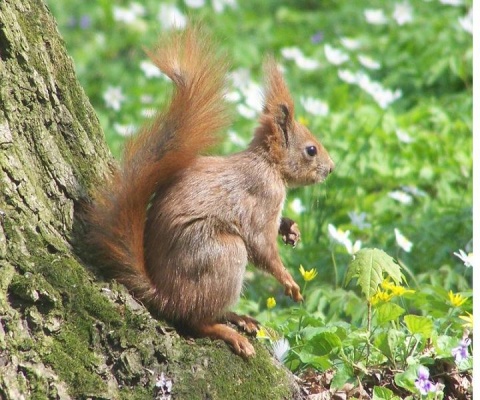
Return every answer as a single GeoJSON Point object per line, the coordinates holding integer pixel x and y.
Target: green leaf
{"type": "Point", "coordinates": [323, 343]}
{"type": "Point", "coordinates": [418, 324]}
{"type": "Point", "coordinates": [369, 267]}
{"type": "Point", "coordinates": [444, 344]}
{"type": "Point", "coordinates": [388, 312]}
{"type": "Point", "coordinates": [321, 363]}
{"type": "Point", "coordinates": [407, 378]}
{"type": "Point", "coordinates": [383, 393]}
{"type": "Point", "coordinates": [343, 374]}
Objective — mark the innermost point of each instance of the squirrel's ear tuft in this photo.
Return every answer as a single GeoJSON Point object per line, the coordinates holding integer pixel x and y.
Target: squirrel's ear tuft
{"type": "Point", "coordinates": [278, 102]}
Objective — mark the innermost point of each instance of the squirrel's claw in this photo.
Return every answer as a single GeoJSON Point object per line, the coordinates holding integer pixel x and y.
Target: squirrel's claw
{"type": "Point", "coordinates": [293, 290]}
{"type": "Point", "coordinates": [247, 324]}
{"type": "Point", "coordinates": [243, 347]}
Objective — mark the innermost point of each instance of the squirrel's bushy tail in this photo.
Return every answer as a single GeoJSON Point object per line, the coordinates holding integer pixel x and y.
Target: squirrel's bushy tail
{"type": "Point", "coordinates": [167, 145]}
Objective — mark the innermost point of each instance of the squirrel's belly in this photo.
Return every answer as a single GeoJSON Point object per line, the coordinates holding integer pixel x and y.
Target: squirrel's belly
{"type": "Point", "coordinates": [201, 277]}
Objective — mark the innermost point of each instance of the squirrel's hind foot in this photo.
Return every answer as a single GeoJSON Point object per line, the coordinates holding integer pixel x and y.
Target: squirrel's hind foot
{"type": "Point", "coordinates": [239, 344]}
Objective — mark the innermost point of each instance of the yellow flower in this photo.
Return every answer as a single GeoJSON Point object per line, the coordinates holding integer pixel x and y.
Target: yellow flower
{"type": "Point", "coordinates": [468, 320]}
{"type": "Point", "coordinates": [456, 299]}
{"type": "Point", "coordinates": [400, 291]}
{"type": "Point", "coordinates": [303, 120]}
{"type": "Point", "coordinates": [387, 285]}
{"type": "Point", "coordinates": [267, 333]}
{"type": "Point", "coordinates": [396, 290]}
{"type": "Point", "coordinates": [308, 275]}
{"type": "Point", "coordinates": [271, 302]}
{"type": "Point", "coordinates": [380, 297]}
{"type": "Point", "coordinates": [262, 333]}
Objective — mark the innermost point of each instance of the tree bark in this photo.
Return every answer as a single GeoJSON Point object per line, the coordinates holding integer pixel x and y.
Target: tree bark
{"type": "Point", "coordinates": [64, 331]}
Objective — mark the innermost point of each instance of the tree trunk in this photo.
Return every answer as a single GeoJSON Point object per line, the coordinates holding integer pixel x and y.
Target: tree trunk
{"type": "Point", "coordinates": [64, 332]}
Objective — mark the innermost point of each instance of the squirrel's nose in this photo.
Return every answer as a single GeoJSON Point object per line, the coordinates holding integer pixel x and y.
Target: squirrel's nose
{"type": "Point", "coordinates": [332, 167]}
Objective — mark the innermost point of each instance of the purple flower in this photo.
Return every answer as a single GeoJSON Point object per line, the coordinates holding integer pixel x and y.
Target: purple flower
{"type": "Point", "coordinates": [422, 383]}
{"type": "Point", "coordinates": [85, 21]}
{"type": "Point", "coordinates": [317, 37]}
{"type": "Point", "coordinates": [461, 351]}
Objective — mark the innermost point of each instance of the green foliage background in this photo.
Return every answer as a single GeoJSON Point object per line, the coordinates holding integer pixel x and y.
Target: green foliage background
{"type": "Point", "coordinates": [428, 58]}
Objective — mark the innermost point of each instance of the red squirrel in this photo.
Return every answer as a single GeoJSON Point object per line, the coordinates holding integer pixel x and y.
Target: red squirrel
{"type": "Point", "coordinates": [178, 228]}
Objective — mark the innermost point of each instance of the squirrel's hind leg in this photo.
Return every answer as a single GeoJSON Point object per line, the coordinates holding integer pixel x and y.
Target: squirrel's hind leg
{"type": "Point", "coordinates": [239, 343]}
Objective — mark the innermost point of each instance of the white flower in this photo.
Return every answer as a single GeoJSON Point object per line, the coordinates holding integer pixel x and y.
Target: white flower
{"type": "Point", "coordinates": [413, 190]}
{"type": "Point", "coordinates": [219, 5]}
{"type": "Point", "coordinates": [350, 44]}
{"type": "Point", "coordinates": [295, 54]}
{"type": "Point", "coordinates": [466, 258]}
{"type": "Point", "coordinates": [239, 78]}
{"type": "Point", "coordinates": [128, 15]}
{"type": "Point", "coordinates": [314, 106]}
{"type": "Point", "coordinates": [403, 13]}
{"type": "Point", "coordinates": [403, 136]}
{"type": "Point", "coordinates": [375, 16]}
{"type": "Point", "coordinates": [352, 249]}
{"type": "Point", "coordinates": [359, 220]}
{"type": "Point", "coordinates": [138, 9]}
{"type": "Point", "coordinates": [247, 88]}
{"type": "Point", "coordinates": [368, 62]}
{"type": "Point", "coordinates": [236, 139]}
{"type": "Point", "coordinates": [124, 130]}
{"type": "Point", "coordinates": [335, 56]}
{"type": "Point", "coordinates": [233, 96]}
{"type": "Point", "coordinates": [123, 15]}
{"type": "Point", "coordinates": [148, 112]}
{"type": "Point", "coordinates": [401, 197]}
{"type": "Point", "coordinates": [150, 69]}
{"type": "Point", "coordinates": [402, 241]}
{"type": "Point", "coordinates": [383, 97]}
{"type": "Point", "coordinates": [466, 22]}
{"type": "Point", "coordinates": [347, 76]}
{"type": "Point", "coordinates": [195, 3]}
{"type": "Point", "coordinates": [307, 64]}
{"type": "Point", "coordinates": [253, 98]}
{"type": "Point", "coordinates": [291, 53]}
{"type": "Point", "coordinates": [246, 111]}
{"type": "Point", "coordinates": [114, 97]}
{"type": "Point", "coordinates": [342, 237]}
{"type": "Point", "coordinates": [171, 17]}
{"type": "Point", "coordinates": [455, 3]}
{"type": "Point", "coordinates": [296, 206]}
{"type": "Point", "coordinates": [338, 235]}
{"type": "Point", "coordinates": [280, 349]}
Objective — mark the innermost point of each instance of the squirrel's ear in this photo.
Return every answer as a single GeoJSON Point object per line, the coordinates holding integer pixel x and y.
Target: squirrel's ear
{"type": "Point", "coordinates": [283, 118]}
{"type": "Point", "coordinates": [278, 102]}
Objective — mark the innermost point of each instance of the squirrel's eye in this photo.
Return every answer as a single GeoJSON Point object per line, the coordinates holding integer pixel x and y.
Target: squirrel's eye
{"type": "Point", "coordinates": [311, 151]}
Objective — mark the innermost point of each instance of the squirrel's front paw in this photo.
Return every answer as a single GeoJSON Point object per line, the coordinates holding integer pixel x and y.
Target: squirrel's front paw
{"type": "Point", "coordinates": [289, 231]}
{"type": "Point", "coordinates": [293, 290]}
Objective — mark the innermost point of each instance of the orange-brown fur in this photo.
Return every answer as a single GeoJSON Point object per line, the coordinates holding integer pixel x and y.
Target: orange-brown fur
{"type": "Point", "coordinates": [178, 228]}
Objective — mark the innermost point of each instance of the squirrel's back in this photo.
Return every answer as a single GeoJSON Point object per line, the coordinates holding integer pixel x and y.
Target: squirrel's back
{"type": "Point", "coordinates": [162, 148]}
